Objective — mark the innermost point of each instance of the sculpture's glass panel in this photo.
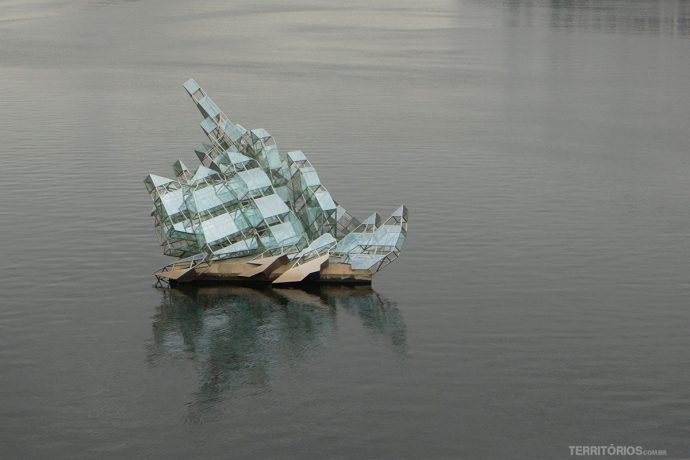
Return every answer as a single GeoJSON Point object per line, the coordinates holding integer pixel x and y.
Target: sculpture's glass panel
{"type": "Point", "coordinates": [255, 179]}
{"type": "Point", "coordinates": [271, 205]}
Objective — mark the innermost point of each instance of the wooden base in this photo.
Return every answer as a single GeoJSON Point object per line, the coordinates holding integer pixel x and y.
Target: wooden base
{"type": "Point", "coordinates": [272, 270]}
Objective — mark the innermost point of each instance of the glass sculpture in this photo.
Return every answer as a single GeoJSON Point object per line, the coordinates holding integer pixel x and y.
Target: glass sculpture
{"type": "Point", "coordinates": [249, 213]}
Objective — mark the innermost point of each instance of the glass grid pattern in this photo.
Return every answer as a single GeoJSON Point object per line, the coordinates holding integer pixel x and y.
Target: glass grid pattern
{"type": "Point", "coordinates": [246, 198]}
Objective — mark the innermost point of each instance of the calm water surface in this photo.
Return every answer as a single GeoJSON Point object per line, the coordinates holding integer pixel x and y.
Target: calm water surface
{"type": "Point", "coordinates": [541, 300]}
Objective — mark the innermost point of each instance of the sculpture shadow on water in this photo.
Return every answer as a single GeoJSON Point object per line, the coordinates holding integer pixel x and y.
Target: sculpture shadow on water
{"type": "Point", "coordinates": [240, 338]}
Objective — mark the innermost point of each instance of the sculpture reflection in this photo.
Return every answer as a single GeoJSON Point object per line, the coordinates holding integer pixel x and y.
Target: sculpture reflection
{"type": "Point", "coordinates": [237, 337]}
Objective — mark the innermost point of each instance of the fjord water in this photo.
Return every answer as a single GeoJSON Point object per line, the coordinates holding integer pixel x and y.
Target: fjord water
{"type": "Point", "coordinates": [541, 300]}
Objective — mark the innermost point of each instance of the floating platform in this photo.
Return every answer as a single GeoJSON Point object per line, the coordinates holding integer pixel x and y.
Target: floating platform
{"type": "Point", "coordinates": [277, 270]}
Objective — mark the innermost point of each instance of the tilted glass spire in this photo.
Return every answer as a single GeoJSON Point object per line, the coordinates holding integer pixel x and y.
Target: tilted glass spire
{"type": "Point", "coordinates": [246, 199]}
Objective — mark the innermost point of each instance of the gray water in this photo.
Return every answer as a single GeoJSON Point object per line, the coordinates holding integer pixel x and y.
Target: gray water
{"type": "Point", "coordinates": [541, 300]}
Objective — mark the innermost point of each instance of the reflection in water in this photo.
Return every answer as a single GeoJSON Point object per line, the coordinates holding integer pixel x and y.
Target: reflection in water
{"type": "Point", "coordinates": [617, 16]}
{"type": "Point", "coordinates": [237, 336]}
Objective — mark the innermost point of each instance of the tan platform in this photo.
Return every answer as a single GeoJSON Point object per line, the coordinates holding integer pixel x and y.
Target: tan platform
{"type": "Point", "coordinates": [269, 270]}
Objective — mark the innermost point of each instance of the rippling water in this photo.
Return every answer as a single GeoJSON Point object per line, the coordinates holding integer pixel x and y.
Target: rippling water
{"type": "Point", "coordinates": [541, 300]}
